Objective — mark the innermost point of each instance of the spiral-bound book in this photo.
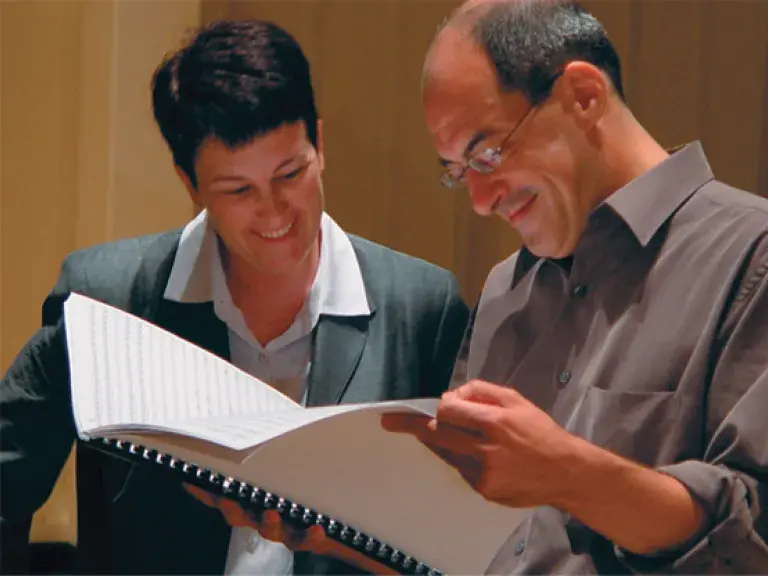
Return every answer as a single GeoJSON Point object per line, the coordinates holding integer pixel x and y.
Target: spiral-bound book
{"type": "Point", "coordinates": [146, 395]}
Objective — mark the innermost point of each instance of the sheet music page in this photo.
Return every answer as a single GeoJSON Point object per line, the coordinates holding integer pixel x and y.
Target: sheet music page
{"type": "Point", "coordinates": [243, 431]}
{"type": "Point", "coordinates": [125, 370]}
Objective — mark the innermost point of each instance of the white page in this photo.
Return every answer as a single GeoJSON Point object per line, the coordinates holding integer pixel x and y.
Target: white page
{"type": "Point", "coordinates": [124, 370]}
{"type": "Point", "coordinates": [337, 460]}
{"type": "Point", "coordinates": [389, 486]}
{"type": "Point", "coordinates": [239, 432]}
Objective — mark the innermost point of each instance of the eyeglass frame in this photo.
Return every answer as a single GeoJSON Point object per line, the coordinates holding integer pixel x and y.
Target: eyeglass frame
{"type": "Point", "coordinates": [494, 155]}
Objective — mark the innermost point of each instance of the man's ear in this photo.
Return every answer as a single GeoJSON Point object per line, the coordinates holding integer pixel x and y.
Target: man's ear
{"type": "Point", "coordinates": [585, 91]}
{"type": "Point", "coordinates": [320, 147]}
{"type": "Point", "coordinates": [191, 189]}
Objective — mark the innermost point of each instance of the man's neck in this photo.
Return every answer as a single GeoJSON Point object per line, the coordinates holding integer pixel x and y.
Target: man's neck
{"type": "Point", "coordinates": [626, 156]}
{"type": "Point", "coordinates": [626, 152]}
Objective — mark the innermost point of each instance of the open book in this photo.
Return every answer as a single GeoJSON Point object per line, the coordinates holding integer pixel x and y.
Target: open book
{"type": "Point", "coordinates": [145, 394]}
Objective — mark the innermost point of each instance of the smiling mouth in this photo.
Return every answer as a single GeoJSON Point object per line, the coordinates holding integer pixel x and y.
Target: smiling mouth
{"type": "Point", "coordinates": [276, 234]}
{"type": "Point", "coordinates": [513, 208]}
{"type": "Point", "coordinates": [520, 211]}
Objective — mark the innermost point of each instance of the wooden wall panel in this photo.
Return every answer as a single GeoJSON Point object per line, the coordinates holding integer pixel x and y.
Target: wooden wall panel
{"type": "Point", "coordinates": [40, 117]}
{"type": "Point", "coordinates": [40, 112]}
{"type": "Point", "coordinates": [358, 117]}
{"type": "Point", "coordinates": [617, 18]}
{"type": "Point", "coordinates": [733, 89]}
{"type": "Point", "coordinates": [424, 214]}
{"type": "Point", "coordinates": [670, 70]}
{"type": "Point", "coordinates": [763, 153]}
{"type": "Point", "coordinates": [148, 195]}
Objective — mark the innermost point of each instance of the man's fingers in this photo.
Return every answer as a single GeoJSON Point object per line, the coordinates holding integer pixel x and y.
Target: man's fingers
{"type": "Point", "coordinates": [484, 393]}
{"type": "Point", "coordinates": [451, 439]}
{"type": "Point", "coordinates": [433, 433]}
{"type": "Point", "coordinates": [469, 468]}
{"type": "Point", "coordinates": [311, 538]}
{"type": "Point", "coordinates": [404, 423]}
{"type": "Point", "coordinates": [271, 526]}
{"type": "Point", "coordinates": [205, 497]}
{"type": "Point", "coordinates": [235, 515]}
{"type": "Point", "coordinates": [474, 418]}
{"type": "Point", "coordinates": [315, 539]}
{"type": "Point", "coordinates": [461, 462]}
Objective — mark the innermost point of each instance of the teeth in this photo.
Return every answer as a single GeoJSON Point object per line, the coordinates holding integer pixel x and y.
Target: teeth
{"type": "Point", "coordinates": [275, 234]}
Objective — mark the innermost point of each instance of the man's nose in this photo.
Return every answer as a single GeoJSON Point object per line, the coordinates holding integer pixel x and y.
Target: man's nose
{"type": "Point", "coordinates": [485, 192]}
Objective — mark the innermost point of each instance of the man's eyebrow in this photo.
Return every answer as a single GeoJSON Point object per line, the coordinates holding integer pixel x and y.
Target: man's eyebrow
{"type": "Point", "coordinates": [473, 142]}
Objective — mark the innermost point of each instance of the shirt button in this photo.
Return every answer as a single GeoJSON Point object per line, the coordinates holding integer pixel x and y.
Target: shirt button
{"type": "Point", "coordinates": [520, 547]}
{"type": "Point", "coordinates": [564, 377]}
{"type": "Point", "coordinates": [579, 291]}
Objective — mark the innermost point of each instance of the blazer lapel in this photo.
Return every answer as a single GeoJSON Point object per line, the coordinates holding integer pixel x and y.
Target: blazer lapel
{"type": "Point", "coordinates": [338, 346]}
{"type": "Point", "coordinates": [195, 322]}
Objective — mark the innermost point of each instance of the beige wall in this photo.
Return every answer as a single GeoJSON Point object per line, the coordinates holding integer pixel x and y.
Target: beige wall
{"type": "Point", "coordinates": [81, 159]}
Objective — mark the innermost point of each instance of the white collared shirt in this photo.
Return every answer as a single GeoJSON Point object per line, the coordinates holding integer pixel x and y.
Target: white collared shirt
{"type": "Point", "coordinates": [338, 289]}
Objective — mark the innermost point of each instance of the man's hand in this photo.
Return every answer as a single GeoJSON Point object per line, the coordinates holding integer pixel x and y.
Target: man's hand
{"type": "Point", "coordinates": [504, 446]}
{"type": "Point", "coordinates": [513, 453]}
{"type": "Point", "coordinates": [271, 527]}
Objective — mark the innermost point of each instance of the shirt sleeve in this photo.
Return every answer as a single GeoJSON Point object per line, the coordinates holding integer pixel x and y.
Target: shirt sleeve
{"type": "Point", "coordinates": [730, 482]}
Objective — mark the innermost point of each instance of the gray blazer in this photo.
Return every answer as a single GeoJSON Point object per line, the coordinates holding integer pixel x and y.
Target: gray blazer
{"type": "Point", "coordinates": [134, 519]}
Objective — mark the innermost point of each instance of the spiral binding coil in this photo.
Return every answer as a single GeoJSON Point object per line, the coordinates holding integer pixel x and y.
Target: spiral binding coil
{"type": "Point", "coordinates": [257, 500]}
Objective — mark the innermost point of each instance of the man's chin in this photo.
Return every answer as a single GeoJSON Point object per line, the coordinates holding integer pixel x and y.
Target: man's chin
{"type": "Point", "coordinates": [543, 249]}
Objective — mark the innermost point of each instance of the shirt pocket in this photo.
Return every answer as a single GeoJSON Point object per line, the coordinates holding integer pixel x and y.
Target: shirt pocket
{"type": "Point", "coordinates": [637, 425]}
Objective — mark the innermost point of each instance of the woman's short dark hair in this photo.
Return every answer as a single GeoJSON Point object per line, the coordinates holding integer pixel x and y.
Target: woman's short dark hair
{"type": "Point", "coordinates": [233, 80]}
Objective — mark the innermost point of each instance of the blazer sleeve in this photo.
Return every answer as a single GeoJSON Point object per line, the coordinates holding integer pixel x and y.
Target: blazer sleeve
{"type": "Point", "coordinates": [448, 340]}
{"type": "Point", "coordinates": [36, 429]}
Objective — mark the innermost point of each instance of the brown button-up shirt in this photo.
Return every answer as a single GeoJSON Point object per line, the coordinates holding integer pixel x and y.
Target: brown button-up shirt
{"type": "Point", "coordinates": [652, 342]}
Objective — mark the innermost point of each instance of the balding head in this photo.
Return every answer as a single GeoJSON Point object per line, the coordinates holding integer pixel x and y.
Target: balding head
{"type": "Point", "coordinates": [528, 42]}
{"type": "Point", "coordinates": [515, 93]}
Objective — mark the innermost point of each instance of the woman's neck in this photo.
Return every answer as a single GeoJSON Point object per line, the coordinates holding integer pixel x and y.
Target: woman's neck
{"type": "Point", "coordinates": [270, 302]}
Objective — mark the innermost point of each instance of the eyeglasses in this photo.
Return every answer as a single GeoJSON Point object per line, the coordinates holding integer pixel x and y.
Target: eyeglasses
{"type": "Point", "coordinates": [484, 162]}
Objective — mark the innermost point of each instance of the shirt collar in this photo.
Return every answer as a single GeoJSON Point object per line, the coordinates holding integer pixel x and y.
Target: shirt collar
{"type": "Point", "coordinates": [647, 202]}
{"type": "Point", "coordinates": [338, 288]}
{"type": "Point", "coordinates": [190, 278]}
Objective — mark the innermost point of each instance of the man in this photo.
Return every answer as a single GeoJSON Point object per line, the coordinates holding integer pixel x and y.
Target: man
{"type": "Point", "coordinates": [618, 364]}
{"type": "Point", "coordinates": [262, 277]}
